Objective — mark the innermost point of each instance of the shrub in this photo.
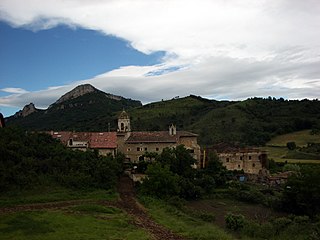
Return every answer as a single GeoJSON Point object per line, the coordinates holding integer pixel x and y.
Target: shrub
{"type": "Point", "coordinates": [291, 145]}
{"type": "Point", "coordinates": [234, 222]}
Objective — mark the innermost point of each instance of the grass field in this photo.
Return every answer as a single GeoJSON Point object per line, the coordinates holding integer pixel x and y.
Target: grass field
{"type": "Point", "coordinates": [79, 222]}
{"type": "Point", "coordinates": [182, 223]}
{"type": "Point", "coordinates": [53, 194]}
{"type": "Point", "coordinates": [277, 150]}
{"type": "Point", "coordinates": [301, 138]}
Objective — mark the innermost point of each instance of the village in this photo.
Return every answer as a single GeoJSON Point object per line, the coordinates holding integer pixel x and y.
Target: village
{"type": "Point", "coordinates": [250, 163]}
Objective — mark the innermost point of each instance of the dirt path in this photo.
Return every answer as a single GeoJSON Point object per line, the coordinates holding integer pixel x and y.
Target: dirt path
{"type": "Point", "coordinates": [129, 204]}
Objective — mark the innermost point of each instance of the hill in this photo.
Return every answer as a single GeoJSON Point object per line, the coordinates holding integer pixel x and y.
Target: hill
{"type": "Point", "coordinates": [251, 122]}
{"type": "Point", "coordinates": [254, 121]}
{"type": "Point", "coordinates": [85, 108]}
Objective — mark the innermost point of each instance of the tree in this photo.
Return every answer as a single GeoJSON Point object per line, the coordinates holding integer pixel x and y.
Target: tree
{"type": "Point", "coordinates": [161, 182]}
{"type": "Point", "coordinates": [179, 160]}
{"type": "Point", "coordinates": [216, 170]}
{"type": "Point", "coordinates": [302, 192]}
{"type": "Point", "coordinates": [291, 145]}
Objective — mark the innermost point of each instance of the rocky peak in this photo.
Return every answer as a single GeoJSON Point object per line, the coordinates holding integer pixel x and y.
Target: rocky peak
{"type": "Point", "coordinates": [27, 110]}
{"type": "Point", "coordinates": [77, 92]}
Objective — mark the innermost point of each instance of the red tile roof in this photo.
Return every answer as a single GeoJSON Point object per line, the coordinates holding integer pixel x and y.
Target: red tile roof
{"type": "Point", "coordinates": [95, 139]}
{"type": "Point", "coordinates": [103, 140]}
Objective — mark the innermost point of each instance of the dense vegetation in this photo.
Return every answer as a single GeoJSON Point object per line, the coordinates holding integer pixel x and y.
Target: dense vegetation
{"type": "Point", "coordinates": [31, 159]}
{"type": "Point", "coordinates": [172, 175]}
{"type": "Point", "coordinates": [251, 122]}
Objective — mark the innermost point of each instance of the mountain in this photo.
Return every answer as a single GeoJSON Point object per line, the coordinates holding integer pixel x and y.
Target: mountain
{"type": "Point", "coordinates": [250, 122]}
{"type": "Point", "coordinates": [83, 108]}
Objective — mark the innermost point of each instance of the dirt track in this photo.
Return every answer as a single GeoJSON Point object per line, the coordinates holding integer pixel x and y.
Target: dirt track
{"type": "Point", "coordinates": [127, 203]}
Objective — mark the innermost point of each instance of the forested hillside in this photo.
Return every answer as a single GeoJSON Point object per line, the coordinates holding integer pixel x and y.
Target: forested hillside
{"type": "Point", "coordinates": [251, 122]}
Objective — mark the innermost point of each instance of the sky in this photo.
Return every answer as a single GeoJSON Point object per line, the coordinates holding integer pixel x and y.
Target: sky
{"type": "Point", "coordinates": [158, 49]}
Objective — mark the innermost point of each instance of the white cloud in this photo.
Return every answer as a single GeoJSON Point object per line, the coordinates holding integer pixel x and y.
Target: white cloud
{"type": "Point", "coordinates": [13, 90]}
{"type": "Point", "coordinates": [223, 49]}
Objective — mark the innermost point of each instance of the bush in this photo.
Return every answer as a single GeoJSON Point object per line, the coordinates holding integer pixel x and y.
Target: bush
{"type": "Point", "coordinates": [291, 145]}
{"type": "Point", "coordinates": [234, 222]}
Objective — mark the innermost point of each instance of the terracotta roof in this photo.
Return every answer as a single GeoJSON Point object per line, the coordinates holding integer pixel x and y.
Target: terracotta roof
{"type": "Point", "coordinates": [95, 139]}
{"type": "Point", "coordinates": [157, 137]}
{"type": "Point", "coordinates": [103, 140]}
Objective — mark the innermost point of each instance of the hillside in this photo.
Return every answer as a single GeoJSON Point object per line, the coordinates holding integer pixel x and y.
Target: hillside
{"type": "Point", "coordinates": [251, 122]}
{"type": "Point", "coordinates": [90, 110]}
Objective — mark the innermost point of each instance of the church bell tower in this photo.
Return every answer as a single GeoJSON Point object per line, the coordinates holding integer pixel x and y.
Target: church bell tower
{"type": "Point", "coordinates": [124, 122]}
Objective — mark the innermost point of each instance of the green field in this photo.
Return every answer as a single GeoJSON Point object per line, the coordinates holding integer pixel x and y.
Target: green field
{"type": "Point", "coordinates": [81, 222]}
{"type": "Point", "coordinates": [277, 150]}
{"type": "Point", "coordinates": [53, 194]}
{"type": "Point", "coordinates": [182, 223]}
{"type": "Point", "coordinates": [301, 138]}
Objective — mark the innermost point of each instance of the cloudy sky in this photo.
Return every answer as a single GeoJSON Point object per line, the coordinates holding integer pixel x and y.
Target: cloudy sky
{"type": "Point", "coordinates": [158, 49]}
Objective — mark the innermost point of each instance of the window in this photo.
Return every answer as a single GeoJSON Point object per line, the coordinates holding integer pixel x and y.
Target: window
{"type": "Point", "coordinates": [122, 126]}
{"type": "Point", "coordinates": [138, 149]}
{"type": "Point", "coordinates": [129, 149]}
{"type": "Point", "coordinates": [157, 149]}
{"type": "Point", "coordinates": [240, 157]}
{"type": "Point", "coordinates": [253, 165]}
{"type": "Point", "coordinates": [239, 166]}
{"type": "Point", "coordinates": [249, 157]}
{"type": "Point", "coordinates": [146, 149]}
{"type": "Point", "coordinates": [227, 160]}
{"type": "Point", "coordinates": [70, 142]}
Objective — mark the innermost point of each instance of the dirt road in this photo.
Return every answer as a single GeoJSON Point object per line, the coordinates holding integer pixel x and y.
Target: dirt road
{"type": "Point", "coordinates": [129, 204]}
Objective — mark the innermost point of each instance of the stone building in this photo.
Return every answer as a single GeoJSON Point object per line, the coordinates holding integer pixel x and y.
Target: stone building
{"type": "Point", "coordinates": [135, 144]}
{"type": "Point", "coordinates": [104, 142]}
{"type": "Point", "coordinates": [250, 160]}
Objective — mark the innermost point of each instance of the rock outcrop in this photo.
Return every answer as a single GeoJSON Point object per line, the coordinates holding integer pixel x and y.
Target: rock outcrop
{"type": "Point", "coordinates": [77, 92]}
{"type": "Point", "coordinates": [27, 110]}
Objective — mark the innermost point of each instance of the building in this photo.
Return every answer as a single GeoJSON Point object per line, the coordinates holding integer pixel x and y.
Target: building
{"type": "Point", "coordinates": [250, 160]}
{"type": "Point", "coordinates": [104, 142]}
{"type": "Point", "coordinates": [135, 144]}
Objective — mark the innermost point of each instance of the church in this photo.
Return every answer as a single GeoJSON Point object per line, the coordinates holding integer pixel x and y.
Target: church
{"type": "Point", "coordinates": [135, 144]}
{"type": "Point", "coordinates": [132, 144]}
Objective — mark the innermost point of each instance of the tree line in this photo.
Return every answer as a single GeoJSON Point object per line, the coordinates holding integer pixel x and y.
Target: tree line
{"type": "Point", "coordinates": [29, 159]}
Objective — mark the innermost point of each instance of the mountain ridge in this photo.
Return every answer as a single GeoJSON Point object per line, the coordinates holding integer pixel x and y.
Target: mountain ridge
{"type": "Point", "coordinates": [250, 122]}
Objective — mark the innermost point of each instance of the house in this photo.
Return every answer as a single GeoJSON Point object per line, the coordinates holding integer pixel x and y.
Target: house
{"type": "Point", "coordinates": [250, 160]}
{"type": "Point", "coordinates": [104, 142]}
{"type": "Point", "coordinates": [135, 144]}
